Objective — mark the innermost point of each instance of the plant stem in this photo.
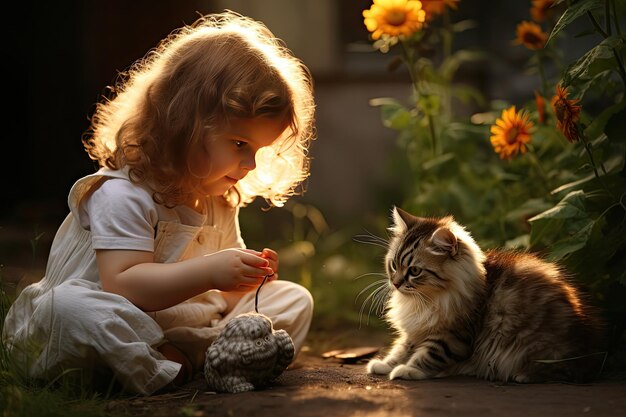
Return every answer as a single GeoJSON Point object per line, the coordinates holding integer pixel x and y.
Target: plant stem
{"type": "Point", "coordinates": [448, 39]}
{"type": "Point", "coordinates": [618, 30]}
{"type": "Point", "coordinates": [447, 46]}
{"type": "Point", "coordinates": [433, 134]}
{"type": "Point", "coordinates": [542, 74]}
{"type": "Point", "coordinates": [408, 59]}
{"type": "Point", "coordinates": [607, 16]}
{"type": "Point", "coordinates": [596, 25]}
{"type": "Point", "coordinates": [589, 154]}
{"type": "Point", "coordinates": [535, 161]}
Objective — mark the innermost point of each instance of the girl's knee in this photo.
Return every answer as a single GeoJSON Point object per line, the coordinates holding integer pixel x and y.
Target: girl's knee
{"type": "Point", "coordinates": [300, 299]}
{"type": "Point", "coordinates": [305, 301]}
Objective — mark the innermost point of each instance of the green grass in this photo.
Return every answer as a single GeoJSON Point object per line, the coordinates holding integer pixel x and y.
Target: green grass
{"type": "Point", "coordinates": [68, 395]}
{"type": "Point", "coordinates": [23, 396]}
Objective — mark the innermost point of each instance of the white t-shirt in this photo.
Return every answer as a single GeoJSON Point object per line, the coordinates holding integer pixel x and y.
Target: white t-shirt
{"type": "Point", "coordinates": [123, 216]}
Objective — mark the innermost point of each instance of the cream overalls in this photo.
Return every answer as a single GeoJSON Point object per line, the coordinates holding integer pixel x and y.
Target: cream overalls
{"type": "Point", "coordinates": [67, 321]}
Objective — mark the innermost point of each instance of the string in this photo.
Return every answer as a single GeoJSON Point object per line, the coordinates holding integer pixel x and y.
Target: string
{"type": "Point", "coordinates": [256, 296]}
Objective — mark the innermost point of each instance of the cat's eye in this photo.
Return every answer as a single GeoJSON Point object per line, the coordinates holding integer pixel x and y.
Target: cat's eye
{"type": "Point", "coordinates": [415, 271]}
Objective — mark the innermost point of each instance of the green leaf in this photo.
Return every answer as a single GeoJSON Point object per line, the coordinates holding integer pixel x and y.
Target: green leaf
{"type": "Point", "coordinates": [464, 25]}
{"type": "Point", "coordinates": [605, 249]}
{"type": "Point", "coordinates": [615, 128]}
{"type": "Point", "coordinates": [597, 60]}
{"type": "Point", "coordinates": [571, 206]}
{"type": "Point", "coordinates": [529, 208]}
{"type": "Point", "coordinates": [439, 160]}
{"type": "Point", "coordinates": [550, 222]}
{"type": "Point", "coordinates": [466, 93]}
{"type": "Point", "coordinates": [572, 13]}
{"type": "Point", "coordinates": [394, 115]}
{"type": "Point", "coordinates": [581, 231]}
{"type": "Point", "coordinates": [573, 184]}
{"type": "Point", "coordinates": [616, 115]}
{"type": "Point", "coordinates": [380, 101]}
{"type": "Point", "coordinates": [451, 64]}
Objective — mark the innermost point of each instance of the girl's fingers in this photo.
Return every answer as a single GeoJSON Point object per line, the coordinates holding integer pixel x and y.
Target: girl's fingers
{"type": "Point", "coordinates": [269, 254]}
{"type": "Point", "coordinates": [252, 272]}
{"type": "Point", "coordinates": [246, 287]}
{"type": "Point", "coordinates": [251, 259]}
{"type": "Point", "coordinates": [252, 251]}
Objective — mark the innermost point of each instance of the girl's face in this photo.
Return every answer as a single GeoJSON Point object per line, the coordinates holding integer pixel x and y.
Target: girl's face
{"type": "Point", "coordinates": [228, 157]}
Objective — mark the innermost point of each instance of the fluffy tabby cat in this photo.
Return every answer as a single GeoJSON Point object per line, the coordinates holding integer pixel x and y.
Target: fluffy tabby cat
{"type": "Point", "coordinates": [499, 315]}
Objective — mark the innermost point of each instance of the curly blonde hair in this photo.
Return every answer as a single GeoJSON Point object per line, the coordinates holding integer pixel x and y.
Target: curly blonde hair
{"type": "Point", "coordinates": [221, 67]}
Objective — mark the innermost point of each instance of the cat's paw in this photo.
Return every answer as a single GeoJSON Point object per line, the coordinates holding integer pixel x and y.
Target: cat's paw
{"type": "Point", "coordinates": [522, 379]}
{"type": "Point", "coordinates": [376, 366]}
{"type": "Point", "coordinates": [407, 372]}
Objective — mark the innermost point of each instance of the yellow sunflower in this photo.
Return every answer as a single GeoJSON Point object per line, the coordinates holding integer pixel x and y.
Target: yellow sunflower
{"type": "Point", "coordinates": [394, 18]}
{"type": "Point", "coordinates": [530, 35]}
{"type": "Point", "coordinates": [541, 9]}
{"type": "Point", "coordinates": [435, 7]}
{"type": "Point", "coordinates": [567, 114]}
{"type": "Point", "coordinates": [511, 133]}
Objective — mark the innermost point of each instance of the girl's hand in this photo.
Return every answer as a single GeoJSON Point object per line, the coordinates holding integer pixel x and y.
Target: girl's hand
{"type": "Point", "coordinates": [272, 257]}
{"type": "Point", "coordinates": [238, 269]}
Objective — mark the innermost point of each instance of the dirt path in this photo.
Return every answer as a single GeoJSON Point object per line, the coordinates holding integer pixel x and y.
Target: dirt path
{"type": "Point", "coordinates": [314, 386]}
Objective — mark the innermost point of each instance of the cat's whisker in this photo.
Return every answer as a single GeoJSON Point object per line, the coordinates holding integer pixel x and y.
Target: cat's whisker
{"type": "Point", "coordinates": [362, 309]}
{"type": "Point", "coordinates": [371, 297]}
{"type": "Point", "coordinates": [372, 239]}
{"type": "Point", "coordinates": [374, 236]}
{"type": "Point", "coordinates": [367, 274]}
{"type": "Point", "coordinates": [381, 245]}
{"type": "Point", "coordinates": [379, 294]}
{"type": "Point", "coordinates": [373, 284]}
{"type": "Point", "coordinates": [381, 301]}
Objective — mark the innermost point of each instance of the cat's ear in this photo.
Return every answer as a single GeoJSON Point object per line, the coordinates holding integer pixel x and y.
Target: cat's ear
{"type": "Point", "coordinates": [401, 220]}
{"type": "Point", "coordinates": [444, 242]}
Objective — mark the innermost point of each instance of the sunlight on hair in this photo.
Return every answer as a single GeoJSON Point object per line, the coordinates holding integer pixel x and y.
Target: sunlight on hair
{"type": "Point", "coordinates": [276, 173]}
{"type": "Point", "coordinates": [280, 168]}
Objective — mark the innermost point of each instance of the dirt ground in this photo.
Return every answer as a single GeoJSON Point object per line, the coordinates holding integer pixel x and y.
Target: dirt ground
{"type": "Point", "coordinates": [317, 386]}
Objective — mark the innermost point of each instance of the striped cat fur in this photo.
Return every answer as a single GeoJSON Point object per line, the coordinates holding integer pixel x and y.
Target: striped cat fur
{"type": "Point", "coordinates": [498, 315]}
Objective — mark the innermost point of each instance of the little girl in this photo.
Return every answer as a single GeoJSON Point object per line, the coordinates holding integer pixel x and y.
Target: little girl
{"type": "Point", "coordinates": [149, 265]}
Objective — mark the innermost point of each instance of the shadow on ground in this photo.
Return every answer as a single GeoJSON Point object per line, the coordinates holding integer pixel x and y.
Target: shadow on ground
{"type": "Point", "coordinates": [314, 386]}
